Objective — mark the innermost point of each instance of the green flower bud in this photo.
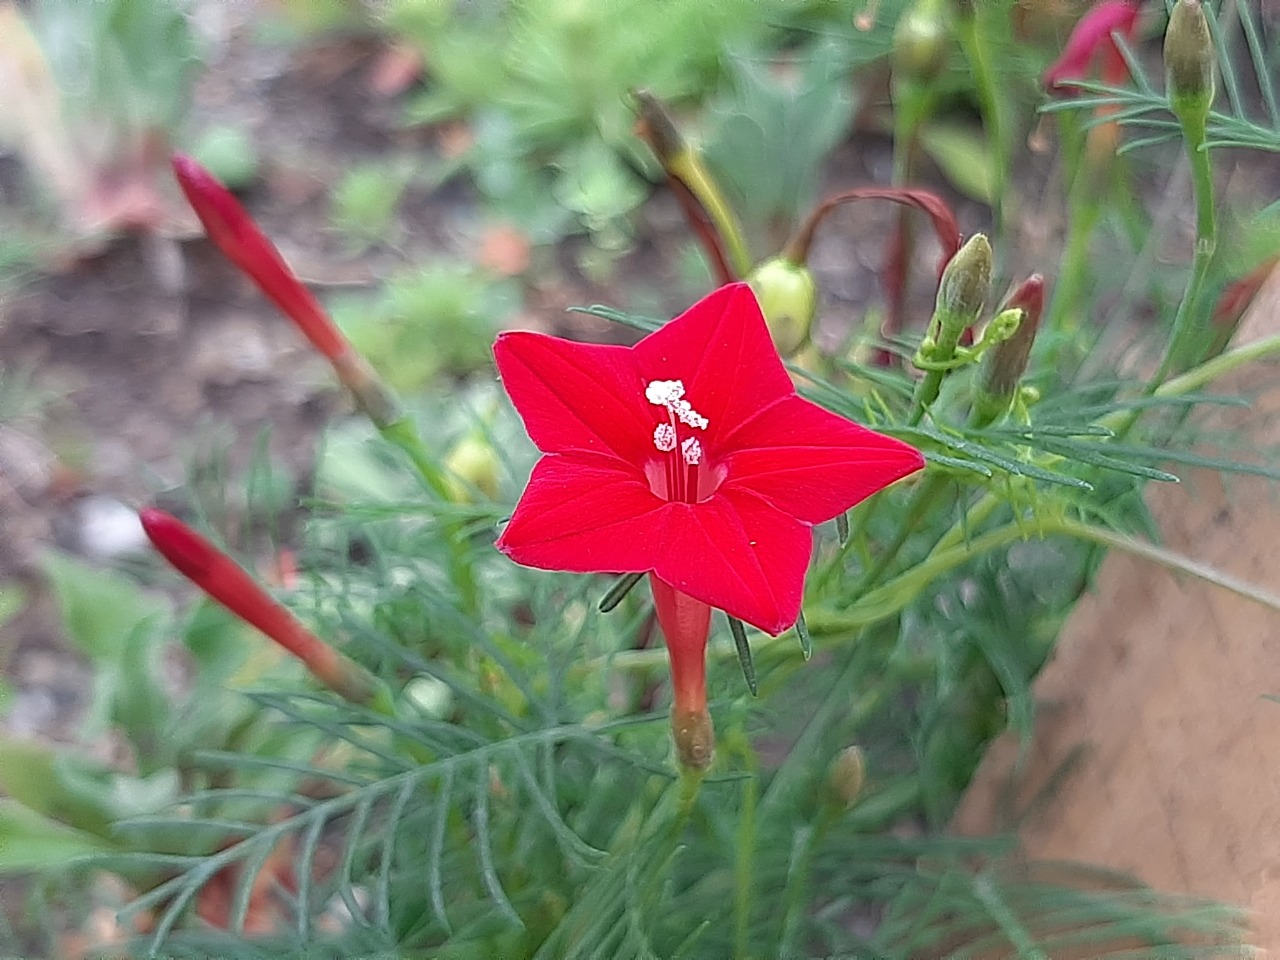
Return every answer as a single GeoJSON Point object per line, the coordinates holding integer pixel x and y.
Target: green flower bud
{"type": "Point", "coordinates": [472, 465]}
{"type": "Point", "coordinates": [847, 774]}
{"type": "Point", "coordinates": [920, 42]}
{"type": "Point", "coordinates": [962, 291]}
{"type": "Point", "coordinates": [965, 283]}
{"type": "Point", "coordinates": [788, 299]}
{"type": "Point", "coordinates": [1189, 59]}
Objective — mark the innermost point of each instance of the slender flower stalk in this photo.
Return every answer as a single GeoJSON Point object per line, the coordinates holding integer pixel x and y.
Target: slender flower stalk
{"type": "Point", "coordinates": [1091, 48]}
{"type": "Point", "coordinates": [920, 47]}
{"type": "Point", "coordinates": [1189, 61]}
{"type": "Point", "coordinates": [796, 252]}
{"type": "Point", "coordinates": [701, 199]}
{"type": "Point", "coordinates": [225, 581]}
{"type": "Point", "coordinates": [938, 211]}
{"type": "Point", "coordinates": [974, 34]}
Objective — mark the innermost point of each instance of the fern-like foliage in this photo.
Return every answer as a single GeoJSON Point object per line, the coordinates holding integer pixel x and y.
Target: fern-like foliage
{"type": "Point", "coordinates": [1248, 111]}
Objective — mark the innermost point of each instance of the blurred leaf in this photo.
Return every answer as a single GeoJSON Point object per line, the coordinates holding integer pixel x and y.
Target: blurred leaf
{"type": "Point", "coordinates": [439, 319]}
{"type": "Point", "coordinates": [215, 639]}
{"type": "Point", "coordinates": [12, 599]}
{"type": "Point", "coordinates": [964, 155]}
{"type": "Point", "coordinates": [365, 202]}
{"type": "Point", "coordinates": [130, 63]}
{"type": "Point", "coordinates": [120, 629]}
{"type": "Point", "coordinates": [229, 154]}
{"type": "Point", "coordinates": [354, 468]}
{"type": "Point", "coordinates": [29, 773]}
{"type": "Point", "coordinates": [29, 841]}
{"type": "Point", "coordinates": [77, 791]}
{"type": "Point", "coordinates": [100, 610]}
{"type": "Point", "coordinates": [595, 184]}
{"type": "Point", "coordinates": [772, 134]}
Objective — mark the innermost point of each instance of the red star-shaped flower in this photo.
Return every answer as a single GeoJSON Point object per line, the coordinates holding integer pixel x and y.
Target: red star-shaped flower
{"type": "Point", "coordinates": [689, 455]}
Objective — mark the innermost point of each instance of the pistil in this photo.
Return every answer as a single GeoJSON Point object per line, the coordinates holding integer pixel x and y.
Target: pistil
{"type": "Point", "coordinates": [682, 471]}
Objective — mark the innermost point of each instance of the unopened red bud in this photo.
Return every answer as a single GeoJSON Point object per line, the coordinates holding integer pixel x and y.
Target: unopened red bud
{"type": "Point", "coordinates": [1189, 58]}
{"type": "Point", "coordinates": [238, 237]}
{"type": "Point", "coordinates": [1004, 365]}
{"type": "Point", "coordinates": [225, 581]}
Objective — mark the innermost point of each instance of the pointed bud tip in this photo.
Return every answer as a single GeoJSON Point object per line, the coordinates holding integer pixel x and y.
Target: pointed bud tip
{"type": "Point", "coordinates": [656, 127]}
{"type": "Point", "coordinates": [188, 552]}
{"type": "Point", "coordinates": [191, 175]}
{"type": "Point", "coordinates": [1004, 366]}
{"type": "Point", "coordinates": [1189, 56]}
{"type": "Point", "coordinates": [1029, 296]}
{"type": "Point", "coordinates": [967, 279]}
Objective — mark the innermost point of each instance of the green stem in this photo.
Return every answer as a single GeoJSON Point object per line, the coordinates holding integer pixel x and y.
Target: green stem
{"type": "Point", "coordinates": [1073, 278]}
{"type": "Point", "coordinates": [975, 51]}
{"type": "Point", "coordinates": [948, 329]}
{"type": "Point", "coordinates": [745, 864]}
{"type": "Point", "coordinates": [916, 510]}
{"type": "Point", "coordinates": [1193, 129]}
{"type": "Point", "coordinates": [799, 868]}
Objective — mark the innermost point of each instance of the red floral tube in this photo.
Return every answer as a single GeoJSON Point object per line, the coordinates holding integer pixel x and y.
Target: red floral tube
{"type": "Point", "coordinates": [686, 623]}
{"type": "Point", "coordinates": [238, 237]}
{"type": "Point", "coordinates": [230, 585]}
{"type": "Point", "coordinates": [234, 232]}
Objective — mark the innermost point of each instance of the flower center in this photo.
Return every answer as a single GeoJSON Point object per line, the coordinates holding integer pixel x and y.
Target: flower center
{"type": "Point", "coordinates": [681, 473]}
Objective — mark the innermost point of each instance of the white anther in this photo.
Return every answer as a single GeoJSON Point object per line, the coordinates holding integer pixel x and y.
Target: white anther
{"type": "Point", "coordinates": [691, 449]}
{"type": "Point", "coordinates": [687, 415]}
{"type": "Point", "coordinates": [664, 437]}
{"type": "Point", "coordinates": [663, 393]}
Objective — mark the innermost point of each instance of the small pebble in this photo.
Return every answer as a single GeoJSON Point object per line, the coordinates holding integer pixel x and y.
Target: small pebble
{"type": "Point", "coordinates": [108, 528]}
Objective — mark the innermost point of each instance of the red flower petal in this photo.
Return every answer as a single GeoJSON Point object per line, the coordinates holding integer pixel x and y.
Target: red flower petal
{"type": "Point", "coordinates": [576, 396]}
{"type": "Point", "coordinates": [586, 513]}
{"type": "Point", "coordinates": [1092, 34]}
{"type": "Point", "coordinates": [813, 464]}
{"type": "Point", "coordinates": [721, 349]}
{"type": "Point", "coordinates": [739, 554]}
